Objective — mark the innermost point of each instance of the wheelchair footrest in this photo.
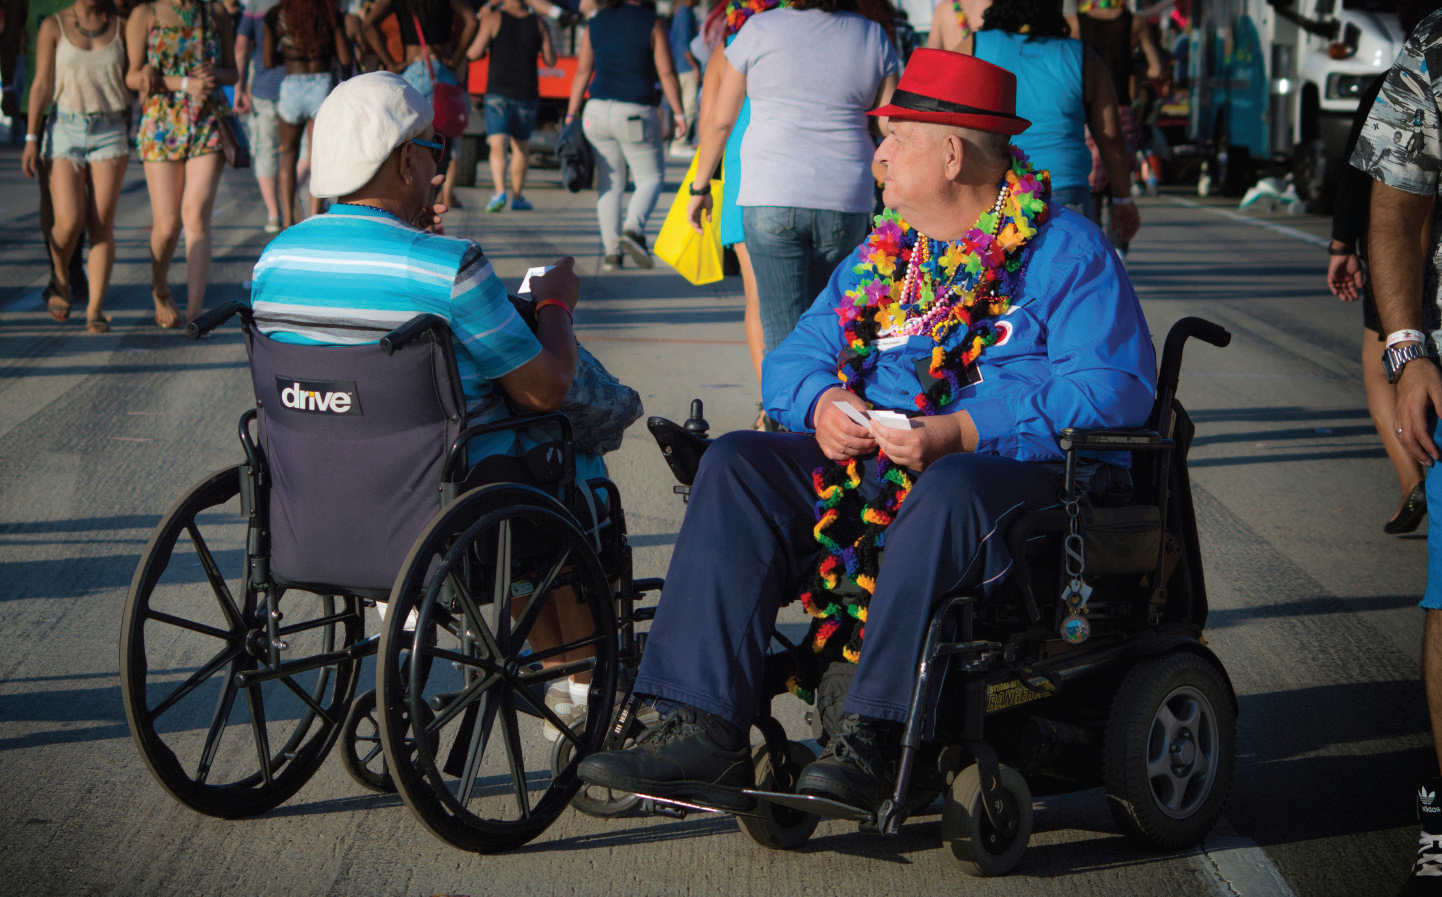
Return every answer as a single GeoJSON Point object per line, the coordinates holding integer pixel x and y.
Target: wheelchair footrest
{"type": "Point", "coordinates": [814, 806]}
{"type": "Point", "coordinates": [649, 584]}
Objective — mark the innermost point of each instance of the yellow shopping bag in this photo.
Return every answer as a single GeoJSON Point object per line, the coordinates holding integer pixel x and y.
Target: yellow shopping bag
{"type": "Point", "coordinates": [696, 257]}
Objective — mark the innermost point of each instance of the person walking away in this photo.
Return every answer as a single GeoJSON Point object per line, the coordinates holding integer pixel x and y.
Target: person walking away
{"type": "Point", "coordinates": [20, 37]}
{"type": "Point", "coordinates": [811, 72]}
{"type": "Point", "coordinates": [1062, 88]}
{"type": "Point", "coordinates": [444, 44]}
{"type": "Point", "coordinates": [1347, 279]}
{"type": "Point", "coordinates": [684, 29]}
{"type": "Point", "coordinates": [257, 90]}
{"type": "Point", "coordinates": [1111, 29]}
{"type": "Point", "coordinates": [1398, 148]}
{"type": "Point", "coordinates": [307, 37]}
{"type": "Point", "coordinates": [514, 37]}
{"type": "Point", "coordinates": [180, 54]}
{"type": "Point", "coordinates": [81, 69]}
{"type": "Point", "coordinates": [624, 52]}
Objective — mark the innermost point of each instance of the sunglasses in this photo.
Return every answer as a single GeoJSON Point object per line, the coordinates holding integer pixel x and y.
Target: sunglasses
{"type": "Point", "coordinates": [437, 146]}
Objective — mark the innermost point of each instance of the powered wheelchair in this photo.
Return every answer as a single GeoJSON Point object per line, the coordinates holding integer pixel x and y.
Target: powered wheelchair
{"type": "Point", "coordinates": [500, 576]}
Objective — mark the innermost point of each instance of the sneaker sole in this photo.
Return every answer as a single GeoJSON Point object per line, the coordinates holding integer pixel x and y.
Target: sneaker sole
{"type": "Point", "coordinates": [704, 794]}
{"type": "Point", "coordinates": [638, 253]}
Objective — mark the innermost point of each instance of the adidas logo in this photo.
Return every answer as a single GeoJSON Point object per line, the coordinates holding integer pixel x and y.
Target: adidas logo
{"type": "Point", "coordinates": [1427, 799]}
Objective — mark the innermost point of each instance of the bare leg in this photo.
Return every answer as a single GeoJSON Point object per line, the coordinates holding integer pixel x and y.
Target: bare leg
{"type": "Point", "coordinates": [498, 143]}
{"type": "Point", "coordinates": [47, 218]}
{"type": "Point", "coordinates": [519, 164]}
{"type": "Point", "coordinates": [166, 183]}
{"type": "Point", "coordinates": [317, 205]}
{"type": "Point", "coordinates": [105, 182]}
{"type": "Point", "coordinates": [1382, 404]}
{"type": "Point", "coordinates": [448, 186]}
{"type": "Point", "coordinates": [67, 199]}
{"type": "Point", "coordinates": [560, 622]}
{"type": "Point", "coordinates": [1432, 676]}
{"type": "Point", "coordinates": [289, 157]}
{"type": "Point", "coordinates": [202, 178]}
{"type": "Point", "coordinates": [268, 188]}
{"type": "Point", "coordinates": [755, 338]}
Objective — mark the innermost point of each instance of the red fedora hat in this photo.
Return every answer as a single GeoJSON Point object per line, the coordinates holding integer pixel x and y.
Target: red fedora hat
{"type": "Point", "coordinates": [955, 89]}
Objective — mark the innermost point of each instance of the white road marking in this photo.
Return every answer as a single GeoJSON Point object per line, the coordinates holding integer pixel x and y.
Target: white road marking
{"type": "Point", "coordinates": [1255, 222]}
{"type": "Point", "coordinates": [1234, 866]}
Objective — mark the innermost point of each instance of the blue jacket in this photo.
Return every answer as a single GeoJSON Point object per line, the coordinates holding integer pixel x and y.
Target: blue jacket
{"type": "Point", "coordinates": [1074, 351]}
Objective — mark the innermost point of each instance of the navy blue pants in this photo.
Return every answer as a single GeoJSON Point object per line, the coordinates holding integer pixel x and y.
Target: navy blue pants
{"type": "Point", "coordinates": [746, 547]}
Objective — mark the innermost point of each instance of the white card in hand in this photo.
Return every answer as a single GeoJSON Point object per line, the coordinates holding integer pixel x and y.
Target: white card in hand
{"type": "Point", "coordinates": [526, 281]}
{"type": "Point", "coordinates": [893, 419]}
{"type": "Point", "coordinates": [853, 412]}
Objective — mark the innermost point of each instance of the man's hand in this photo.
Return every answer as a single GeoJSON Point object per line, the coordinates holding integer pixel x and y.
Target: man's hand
{"type": "Point", "coordinates": [559, 283]}
{"type": "Point", "coordinates": [929, 438]}
{"type": "Point", "coordinates": [1344, 276]}
{"type": "Point", "coordinates": [242, 100]}
{"type": "Point", "coordinates": [839, 436]}
{"type": "Point", "coordinates": [699, 206]}
{"type": "Point", "coordinates": [29, 158]}
{"type": "Point", "coordinates": [1419, 391]}
{"type": "Point", "coordinates": [430, 213]}
{"type": "Point", "coordinates": [1126, 221]}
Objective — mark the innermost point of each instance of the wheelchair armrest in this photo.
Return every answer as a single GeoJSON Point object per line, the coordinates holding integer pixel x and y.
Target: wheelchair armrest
{"type": "Point", "coordinates": [1131, 439]}
{"type": "Point", "coordinates": [212, 319]}
{"type": "Point", "coordinates": [410, 330]}
{"type": "Point", "coordinates": [457, 449]}
{"type": "Point", "coordinates": [682, 448]}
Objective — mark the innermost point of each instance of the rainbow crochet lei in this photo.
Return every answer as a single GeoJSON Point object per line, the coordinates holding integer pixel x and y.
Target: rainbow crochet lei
{"type": "Point", "coordinates": [958, 285]}
{"type": "Point", "coordinates": [738, 11]}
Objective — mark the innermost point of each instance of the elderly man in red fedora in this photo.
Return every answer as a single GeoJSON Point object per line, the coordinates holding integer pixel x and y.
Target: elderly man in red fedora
{"type": "Point", "coordinates": [924, 391]}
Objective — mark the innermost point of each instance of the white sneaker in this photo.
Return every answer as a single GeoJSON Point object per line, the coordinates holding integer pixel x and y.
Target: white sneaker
{"type": "Point", "coordinates": [558, 699]}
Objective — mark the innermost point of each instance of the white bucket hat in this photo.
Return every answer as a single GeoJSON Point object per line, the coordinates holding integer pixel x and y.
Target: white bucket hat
{"type": "Point", "coordinates": [357, 128]}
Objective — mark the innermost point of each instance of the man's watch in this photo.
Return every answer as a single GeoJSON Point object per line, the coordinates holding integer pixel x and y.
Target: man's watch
{"type": "Point", "coordinates": [704, 191]}
{"type": "Point", "coordinates": [1396, 357]}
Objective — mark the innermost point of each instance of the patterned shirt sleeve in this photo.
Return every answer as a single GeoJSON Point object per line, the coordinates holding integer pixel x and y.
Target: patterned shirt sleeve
{"type": "Point", "coordinates": [1401, 143]}
{"type": "Point", "coordinates": [483, 321]}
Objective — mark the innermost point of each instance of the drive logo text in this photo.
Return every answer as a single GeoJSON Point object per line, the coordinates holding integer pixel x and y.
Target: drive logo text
{"type": "Point", "coordinates": [319, 396]}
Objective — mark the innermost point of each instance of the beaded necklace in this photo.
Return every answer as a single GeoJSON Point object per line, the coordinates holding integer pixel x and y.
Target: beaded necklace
{"type": "Point", "coordinates": [961, 21]}
{"type": "Point", "coordinates": [376, 209]}
{"type": "Point", "coordinates": [906, 287]}
{"type": "Point", "coordinates": [1086, 6]}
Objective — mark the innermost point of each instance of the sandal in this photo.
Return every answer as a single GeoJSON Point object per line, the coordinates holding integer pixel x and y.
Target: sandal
{"type": "Point", "coordinates": [166, 303]}
{"type": "Point", "coordinates": [56, 304]}
{"type": "Point", "coordinates": [98, 325]}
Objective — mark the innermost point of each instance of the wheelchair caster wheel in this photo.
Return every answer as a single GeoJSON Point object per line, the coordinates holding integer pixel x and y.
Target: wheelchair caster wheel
{"type": "Point", "coordinates": [362, 754]}
{"type": "Point", "coordinates": [779, 828]}
{"type": "Point", "coordinates": [976, 847]}
{"type": "Point", "coordinates": [1170, 751]}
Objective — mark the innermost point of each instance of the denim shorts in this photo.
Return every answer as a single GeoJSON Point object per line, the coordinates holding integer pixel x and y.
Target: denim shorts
{"type": "Point", "coordinates": [85, 138]}
{"type": "Point", "coordinates": [301, 96]}
{"type": "Point", "coordinates": [510, 116]}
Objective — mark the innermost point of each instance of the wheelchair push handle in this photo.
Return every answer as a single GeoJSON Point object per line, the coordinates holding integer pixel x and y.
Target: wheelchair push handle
{"type": "Point", "coordinates": [1183, 330]}
{"type": "Point", "coordinates": [212, 319]}
{"type": "Point", "coordinates": [409, 331]}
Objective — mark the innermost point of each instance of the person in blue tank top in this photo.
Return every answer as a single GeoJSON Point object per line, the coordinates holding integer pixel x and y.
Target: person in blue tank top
{"type": "Point", "coordinates": [625, 51]}
{"type": "Point", "coordinates": [1063, 88]}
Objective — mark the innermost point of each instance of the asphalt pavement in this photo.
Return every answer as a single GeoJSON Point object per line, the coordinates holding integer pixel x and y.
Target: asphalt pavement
{"type": "Point", "coordinates": [1313, 607]}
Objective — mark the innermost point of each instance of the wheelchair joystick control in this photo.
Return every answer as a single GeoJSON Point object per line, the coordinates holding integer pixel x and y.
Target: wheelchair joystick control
{"type": "Point", "coordinates": [696, 425]}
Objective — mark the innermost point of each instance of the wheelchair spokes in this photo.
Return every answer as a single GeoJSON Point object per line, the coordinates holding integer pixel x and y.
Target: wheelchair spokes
{"type": "Point", "coordinates": [510, 603]}
{"type": "Point", "coordinates": [197, 664]}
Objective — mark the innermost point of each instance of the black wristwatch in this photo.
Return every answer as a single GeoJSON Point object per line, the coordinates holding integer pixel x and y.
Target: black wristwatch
{"type": "Point", "coordinates": [1395, 358]}
{"type": "Point", "coordinates": [704, 191]}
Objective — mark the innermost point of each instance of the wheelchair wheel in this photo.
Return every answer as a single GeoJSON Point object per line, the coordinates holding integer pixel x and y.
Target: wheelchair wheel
{"type": "Point", "coordinates": [1170, 750]}
{"type": "Point", "coordinates": [505, 596]}
{"type": "Point", "coordinates": [780, 828]}
{"type": "Point", "coordinates": [196, 662]}
{"type": "Point", "coordinates": [974, 844]}
{"type": "Point", "coordinates": [595, 800]}
{"type": "Point", "coordinates": [361, 753]}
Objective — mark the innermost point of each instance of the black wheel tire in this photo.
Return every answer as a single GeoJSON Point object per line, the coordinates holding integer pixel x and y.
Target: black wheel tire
{"type": "Point", "coordinates": [179, 624]}
{"type": "Point", "coordinates": [446, 571]}
{"type": "Point", "coordinates": [1172, 707]}
{"type": "Point", "coordinates": [361, 754]}
{"type": "Point", "coordinates": [466, 158]}
{"type": "Point", "coordinates": [1316, 184]}
{"type": "Point", "coordinates": [779, 828]}
{"type": "Point", "coordinates": [594, 800]}
{"type": "Point", "coordinates": [973, 843]}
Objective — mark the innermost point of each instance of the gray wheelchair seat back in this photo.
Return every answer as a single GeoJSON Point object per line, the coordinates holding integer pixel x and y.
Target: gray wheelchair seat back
{"type": "Point", "coordinates": [354, 440]}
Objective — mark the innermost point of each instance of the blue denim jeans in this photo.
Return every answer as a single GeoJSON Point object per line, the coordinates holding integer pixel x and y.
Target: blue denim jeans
{"type": "Point", "coordinates": [793, 252]}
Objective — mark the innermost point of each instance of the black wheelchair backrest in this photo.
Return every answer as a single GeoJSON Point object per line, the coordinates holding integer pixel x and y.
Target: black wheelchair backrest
{"type": "Point", "coordinates": [355, 438]}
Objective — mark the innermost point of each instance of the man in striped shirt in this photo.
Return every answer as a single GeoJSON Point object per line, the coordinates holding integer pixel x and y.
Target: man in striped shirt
{"type": "Point", "coordinates": [357, 272]}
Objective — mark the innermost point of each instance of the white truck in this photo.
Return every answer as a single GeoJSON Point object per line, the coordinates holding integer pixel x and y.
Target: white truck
{"type": "Point", "coordinates": [1278, 81]}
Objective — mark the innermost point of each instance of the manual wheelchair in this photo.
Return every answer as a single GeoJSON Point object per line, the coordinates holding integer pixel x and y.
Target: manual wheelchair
{"type": "Point", "coordinates": [1087, 668]}
{"type": "Point", "coordinates": [246, 614]}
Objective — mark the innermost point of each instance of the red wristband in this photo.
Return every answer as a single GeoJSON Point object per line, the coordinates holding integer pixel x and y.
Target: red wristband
{"type": "Point", "coordinates": [556, 303]}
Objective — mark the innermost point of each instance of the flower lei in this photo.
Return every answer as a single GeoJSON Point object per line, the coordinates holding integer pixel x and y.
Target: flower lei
{"type": "Point", "coordinates": [1084, 6]}
{"type": "Point", "coordinates": [738, 11]}
{"type": "Point", "coordinates": [904, 287]}
{"type": "Point", "coordinates": [961, 18]}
